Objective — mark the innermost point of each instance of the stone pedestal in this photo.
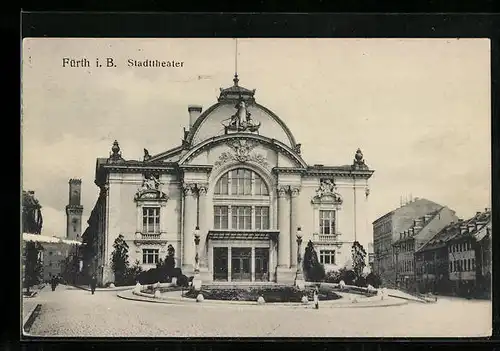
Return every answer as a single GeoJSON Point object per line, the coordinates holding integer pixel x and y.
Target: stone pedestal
{"type": "Point", "coordinates": [197, 283]}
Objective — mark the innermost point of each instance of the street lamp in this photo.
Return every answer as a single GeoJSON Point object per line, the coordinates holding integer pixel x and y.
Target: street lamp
{"type": "Point", "coordinates": [299, 279]}
{"type": "Point", "coordinates": [197, 243]}
{"type": "Point", "coordinates": [197, 280]}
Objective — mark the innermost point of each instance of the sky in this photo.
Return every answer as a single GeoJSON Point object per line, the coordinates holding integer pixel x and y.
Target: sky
{"type": "Point", "coordinates": [419, 109]}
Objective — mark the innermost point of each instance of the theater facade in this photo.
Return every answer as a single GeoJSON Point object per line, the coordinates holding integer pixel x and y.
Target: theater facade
{"type": "Point", "coordinates": [231, 200]}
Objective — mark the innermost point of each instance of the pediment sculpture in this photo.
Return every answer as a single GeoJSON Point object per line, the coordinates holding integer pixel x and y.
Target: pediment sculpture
{"type": "Point", "coordinates": [326, 193]}
{"type": "Point", "coordinates": [241, 121]}
{"type": "Point", "coordinates": [150, 189]}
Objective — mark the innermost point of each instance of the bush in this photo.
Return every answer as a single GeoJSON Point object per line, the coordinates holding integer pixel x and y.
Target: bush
{"type": "Point", "coordinates": [374, 280]}
{"type": "Point", "coordinates": [152, 276]}
{"type": "Point", "coordinates": [332, 277]}
{"type": "Point", "coordinates": [361, 282]}
{"type": "Point", "coordinates": [183, 281]}
{"type": "Point", "coordinates": [347, 275]}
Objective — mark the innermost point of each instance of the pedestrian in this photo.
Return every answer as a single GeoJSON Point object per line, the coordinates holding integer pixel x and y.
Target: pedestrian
{"type": "Point", "coordinates": [316, 298]}
{"type": "Point", "coordinates": [53, 283]}
{"type": "Point", "coordinates": [93, 283]}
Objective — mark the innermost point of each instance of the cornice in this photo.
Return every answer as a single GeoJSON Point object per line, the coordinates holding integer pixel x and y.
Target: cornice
{"type": "Point", "coordinates": [340, 172]}
{"type": "Point", "coordinates": [205, 168]}
{"type": "Point", "coordinates": [299, 170]}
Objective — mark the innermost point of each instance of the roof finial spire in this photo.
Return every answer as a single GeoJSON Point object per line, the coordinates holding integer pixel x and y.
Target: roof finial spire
{"type": "Point", "coordinates": [236, 80]}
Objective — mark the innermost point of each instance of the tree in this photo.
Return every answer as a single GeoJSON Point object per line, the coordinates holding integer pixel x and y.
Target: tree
{"type": "Point", "coordinates": [33, 266]}
{"type": "Point", "coordinates": [170, 260]}
{"type": "Point", "coordinates": [358, 259]}
{"type": "Point", "coordinates": [313, 269]}
{"type": "Point", "coordinates": [32, 213]}
{"type": "Point", "coordinates": [119, 259]}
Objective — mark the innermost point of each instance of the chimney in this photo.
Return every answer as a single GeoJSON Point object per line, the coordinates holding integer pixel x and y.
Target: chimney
{"type": "Point", "coordinates": [194, 113]}
{"type": "Point", "coordinates": [478, 213]}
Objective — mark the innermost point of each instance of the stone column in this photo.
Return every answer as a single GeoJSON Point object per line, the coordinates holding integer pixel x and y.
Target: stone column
{"type": "Point", "coordinates": [203, 223]}
{"type": "Point", "coordinates": [190, 215]}
{"type": "Point", "coordinates": [284, 228]}
{"type": "Point", "coordinates": [294, 223]}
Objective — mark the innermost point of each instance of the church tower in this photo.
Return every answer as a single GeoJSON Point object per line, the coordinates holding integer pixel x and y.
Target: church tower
{"type": "Point", "coordinates": [74, 211]}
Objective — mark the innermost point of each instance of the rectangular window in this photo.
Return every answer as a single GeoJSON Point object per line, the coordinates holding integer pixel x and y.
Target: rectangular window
{"type": "Point", "coordinates": [451, 266]}
{"type": "Point", "coordinates": [327, 256]}
{"type": "Point", "coordinates": [220, 217]}
{"type": "Point", "coordinates": [327, 222]}
{"type": "Point", "coordinates": [468, 264]}
{"type": "Point", "coordinates": [150, 256]}
{"type": "Point", "coordinates": [222, 187]}
{"type": "Point", "coordinates": [473, 264]}
{"type": "Point", "coordinates": [242, 217]}
{"type": "Point", "coordinates": [150, 219]}
{"type": "Point", "coordinates": [261, 217]}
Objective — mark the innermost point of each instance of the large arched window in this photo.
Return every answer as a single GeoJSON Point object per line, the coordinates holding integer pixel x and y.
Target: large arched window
{"type": "Point", "coordinates": [241, 181]}
{"type": "Point", "coordinates": [241, 201]}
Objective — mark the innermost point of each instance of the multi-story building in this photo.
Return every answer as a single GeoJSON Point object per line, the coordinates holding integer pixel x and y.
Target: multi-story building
{"type": "Point", "coordinates": [458, 258]}
{"type": "Point", "coordinates": [239, 187]}
{"type": "Point", "coordinates": [410, 240]}
{"type": "Point", "coordinates": [387, 229]}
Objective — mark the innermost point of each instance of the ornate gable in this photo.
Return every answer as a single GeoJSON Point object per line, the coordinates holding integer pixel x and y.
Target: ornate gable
{"type": "Point", "coordinates": [326, 193]}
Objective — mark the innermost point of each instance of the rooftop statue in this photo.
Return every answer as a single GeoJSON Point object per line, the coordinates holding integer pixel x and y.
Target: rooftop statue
{"type": "Point", "coordinates": [242, 120]}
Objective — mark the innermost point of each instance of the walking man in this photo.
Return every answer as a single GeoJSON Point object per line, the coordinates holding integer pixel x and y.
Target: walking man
{"type": "Point", "coordinates": [93, 283]}
{"type": "Point", "coordinates": [53, 283]}
{"type": "Point", "coordinates": [316, 298]}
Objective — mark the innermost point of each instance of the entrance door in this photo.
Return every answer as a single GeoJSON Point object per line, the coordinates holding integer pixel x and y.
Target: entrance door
{"type": "Point", "coordinates": [240, 263]}
{"type": "Point", "coordinates": [220, 263]}
{"type": "Point", "coordinates": [262, 264]}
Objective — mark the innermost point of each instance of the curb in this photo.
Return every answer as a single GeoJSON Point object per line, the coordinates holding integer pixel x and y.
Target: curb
{"type": "Point", "coordinates": [30, 318]}
{"type": "Point", "coordinates": [412, 299]}
{"type": "Point", "coordinates": [187, 301]}
{"type": "Point", "coordinates": [120, 288]}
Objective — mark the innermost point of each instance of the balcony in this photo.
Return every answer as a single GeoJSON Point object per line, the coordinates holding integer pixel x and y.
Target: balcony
{"type": "Point", "coordinates": [326, 239]}
{"type": "Point", "coordinates": [150, 238]}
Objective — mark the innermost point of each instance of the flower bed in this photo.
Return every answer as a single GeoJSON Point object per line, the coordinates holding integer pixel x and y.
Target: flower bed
{"type": "Point", "coordinates": [270, 294]}
{"type": "Point", "coordinates": [151, 290]}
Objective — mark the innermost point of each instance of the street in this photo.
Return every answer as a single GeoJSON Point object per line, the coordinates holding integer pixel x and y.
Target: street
{"type": "Point", "coordinates": [71, 312]}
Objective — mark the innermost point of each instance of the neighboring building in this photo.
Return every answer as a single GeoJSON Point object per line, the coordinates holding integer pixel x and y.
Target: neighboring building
{"type": "Point", "coordinates": [387, 229]}
{"type": "Point", "coordinates": [422, 230]}
{"type": "Point", "coordinates": [54, 256]}
{"type": "Point", "coordinates": [458, 259]}
{"type": "Point", "coordinates": [371, 257]}
{"type": "Point", "coordinates": [74, 211]}
{"type": "Point", "coordinates": [239, 176]}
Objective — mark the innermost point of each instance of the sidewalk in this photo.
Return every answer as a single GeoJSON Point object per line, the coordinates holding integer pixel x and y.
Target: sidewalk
{"type": "Point", "coordinates": [29, 307]}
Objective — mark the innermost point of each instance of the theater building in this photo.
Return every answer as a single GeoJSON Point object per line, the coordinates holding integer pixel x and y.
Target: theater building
{"type": "Point", "coordinates": [230, 199]}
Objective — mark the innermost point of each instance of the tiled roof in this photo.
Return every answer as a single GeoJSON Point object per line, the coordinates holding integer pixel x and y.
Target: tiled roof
{"type": "Point", "coordinates": [430, 215]}
{"type": "Point", "coordinates": [453, 231]}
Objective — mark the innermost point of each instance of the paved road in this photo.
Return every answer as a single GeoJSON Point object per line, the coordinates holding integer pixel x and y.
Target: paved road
{"type": "Point", "coordinates": [73, 312]}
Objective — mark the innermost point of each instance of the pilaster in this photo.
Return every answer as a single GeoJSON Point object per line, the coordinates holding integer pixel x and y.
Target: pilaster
{"type": "Point", "coordinates": [190, 216]}
{"type": "Point", "coordinates": [284, 227]}
{"type": "Point", "coordinates": [294, 223]}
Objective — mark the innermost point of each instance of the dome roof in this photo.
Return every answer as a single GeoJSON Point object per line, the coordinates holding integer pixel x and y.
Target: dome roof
{"type": "Point", "coordinates": [237, 110]}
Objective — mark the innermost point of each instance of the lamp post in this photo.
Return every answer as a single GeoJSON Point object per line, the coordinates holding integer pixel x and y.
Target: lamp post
{"type": "Point", "coordinates": [299, 279]}
{"type": "Point", "coordinates": [196, 257]}
{"type": "Point", "coordinates": [197, 280]}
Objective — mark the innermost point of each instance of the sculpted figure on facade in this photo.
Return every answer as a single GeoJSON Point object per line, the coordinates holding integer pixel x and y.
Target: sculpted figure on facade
{"type": "Point", "coordinates": [189, 188]}
{"type": "Point", "coordinates": [241, 121]}
{"type": "Point", "coordinates": [282, 190]}
{"type": "Point", "coordinates": [327, 191]}
{"type": "Point", "coordinates": [147, 156]}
